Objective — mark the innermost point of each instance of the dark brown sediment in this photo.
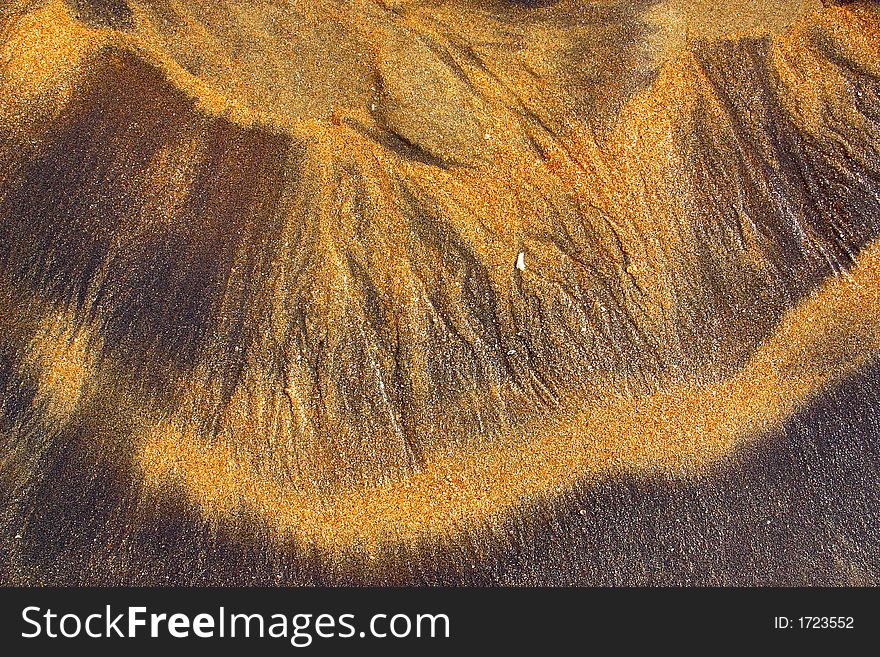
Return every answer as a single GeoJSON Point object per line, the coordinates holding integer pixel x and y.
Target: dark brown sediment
{"type": "Point", "coordinates": [479, 305]}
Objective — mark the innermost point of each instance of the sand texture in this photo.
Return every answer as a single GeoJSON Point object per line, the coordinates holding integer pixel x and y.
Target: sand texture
{"type": "Point", "coordinates": [452, 291]}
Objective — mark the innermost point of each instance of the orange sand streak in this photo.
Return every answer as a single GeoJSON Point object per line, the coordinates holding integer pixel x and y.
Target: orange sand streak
{"type": "Point", "coordinates": [676, 432]}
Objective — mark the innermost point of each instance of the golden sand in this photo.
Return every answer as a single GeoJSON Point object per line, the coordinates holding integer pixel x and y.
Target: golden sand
{"type": "Point", "coordinates": [265, 461]}
{"type": "Point", "coordinates": [678, 432]}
